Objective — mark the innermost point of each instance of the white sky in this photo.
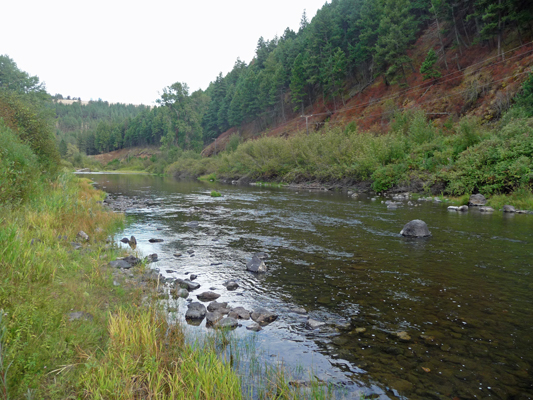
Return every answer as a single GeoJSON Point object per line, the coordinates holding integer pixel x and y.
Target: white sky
{"type": "Point", "coordinates": [128, 51]}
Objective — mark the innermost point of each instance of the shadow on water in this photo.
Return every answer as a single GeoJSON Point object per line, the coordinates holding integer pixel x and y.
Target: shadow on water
{"type": "Point", "coordinates": [444, 317]}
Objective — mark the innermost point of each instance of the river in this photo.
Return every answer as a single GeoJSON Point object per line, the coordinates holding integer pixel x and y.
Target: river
{"type": "Point", "coordinates": [463, 296]}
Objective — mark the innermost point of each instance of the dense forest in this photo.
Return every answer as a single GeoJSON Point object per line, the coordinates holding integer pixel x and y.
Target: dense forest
{"type": "Point", "coordinates": [347, 46]}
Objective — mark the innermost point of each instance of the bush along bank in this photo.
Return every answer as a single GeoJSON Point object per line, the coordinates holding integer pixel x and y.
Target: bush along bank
{"type": "Point", "coordinates": [415, 155]}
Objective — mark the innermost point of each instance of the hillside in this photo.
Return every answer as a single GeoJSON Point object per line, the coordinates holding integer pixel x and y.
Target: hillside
{"type": "Point", "coordinates": [479, 82]}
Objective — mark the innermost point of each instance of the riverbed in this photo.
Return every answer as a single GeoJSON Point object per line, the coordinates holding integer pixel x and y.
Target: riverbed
{"type": "Point", "coordinates": [444, 317]}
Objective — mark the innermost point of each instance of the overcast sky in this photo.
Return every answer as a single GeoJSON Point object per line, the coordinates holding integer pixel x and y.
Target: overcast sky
{"type": "Point", "coordinates": [127, 51]}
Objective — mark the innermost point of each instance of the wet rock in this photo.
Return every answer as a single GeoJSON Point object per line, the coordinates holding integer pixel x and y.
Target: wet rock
{"type": "Point", "coordinates": [508, 209]}
{"type": "Point", "coordinates": [208, 296]}
{"type": "Point", "coordinates": [452, 208]}
{"type": "Point", "coordinates": [196, 310]}
{"type": "Point", "coordinates": [254, 327]}
{"type": "Point", "coordinates": [80, 316]}
{"type": "Point", "coordinates": [192, 277]}
{"type": "Point", "coordinates": [132, 240]}
{"type": "Point", "coordinates": [177, 254]}
{"type": "Point", "coordinates": [462, 209]}
{"type": "Point", "coordinates": [477, 200]}
{"type": "Point", "coordinates": [360, 330]}
{"type": "Point", "coordinates": [190, 251]}
{"type": "Point", "coordinates": [151, 258]}
{"type": "Point", "coordinates": [221, 308]}
{"type": "Point", "coordinates": [256, 265]}
{"type": "Point", "coordinates": [416, 228]}
{"type": "Point", "coordinates": [82, 236]}
{"type": "Point", "coordinates": [125, 240]}
{"type": "Point", "coordinates": [212, 288]}
{"type": "Point", "coordinates": [232, 286]}
{"type": "Point", "coordinates": [227, 323]}
{"type": "Point", "coordinates": [155, 240]}
{"type": "Point", "coordinates": [187, 284]}
{"type": "Point", "coordinates": [214, 264]}
{"type": "Point", "coordinates": [486, 209]}
{"type": "Point", "coordinates": [314, 324]}
{"type": "Point", "coordinates": [212, 318]}
{"type": "Point", "coordinates": [263, 317]}
{"type": "Point", "coordinates": [239, 313]}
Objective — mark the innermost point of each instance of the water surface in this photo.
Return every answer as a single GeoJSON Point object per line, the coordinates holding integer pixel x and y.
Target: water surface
{"type": "Point", "coordinates": [463, 296]}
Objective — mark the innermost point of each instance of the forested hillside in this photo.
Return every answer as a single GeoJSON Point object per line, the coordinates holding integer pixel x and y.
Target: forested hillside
{"type": "Point", "coordinates": [352, 53]}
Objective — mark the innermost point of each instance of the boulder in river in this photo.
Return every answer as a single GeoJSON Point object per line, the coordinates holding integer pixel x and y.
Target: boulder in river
{"type": "Point", "coordinates": [155, 240]}
{"type": "Point", "coordinates": [416, 228]}
{"type": "Point", "coordinates": [477, 200]}
{"type": "Point", "coordinates": [125, 240]}
{"type": "Point", "coordinates": [187, 284]}
{"type": "Point", "coordinates": [508, 209]}
{"type": "Point", "coordinates": [208, 296]}
{"type": "Point", "coordinates": [256, 265]}
{"type": "Point", "coordinates": [212, 318]}
{"type": "Point", "coordinates": [232, 285]}
{"type": "Point", "coordinates": [462, 208]}
{"type": "Point", "coordinates": [239, 313]}
{"type": "Point", "coordinates": [221, 308]}
{"type": "Point", "coordinates": [196, 310]}
{"type": "Point", "coordinates": [263, 317]}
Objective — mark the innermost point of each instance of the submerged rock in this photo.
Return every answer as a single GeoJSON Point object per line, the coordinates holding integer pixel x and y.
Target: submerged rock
{"type": "Point", "coordinates": [477, 200]}
{"type": "Point", "coordinates": [227, 323]}
{"type": "Point", "coordinates": [314, 324]}
{"type": "Point", "coordinates": [196, 310]}
{"type": "Point", "coordinates": [256, 265]}
{"type": "Point", "coordinates": [416, 228]}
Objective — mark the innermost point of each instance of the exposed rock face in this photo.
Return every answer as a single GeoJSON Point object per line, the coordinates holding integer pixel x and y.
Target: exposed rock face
{"type": "Point", "coordinates": [256, 265]}
{"type": "Point", "coordinates": [196, 310]}
{"type": "Point", "coordinates": [227, 323]}
{"type": "Point", "coordinates": [508, 209]}
{"type": "Point", "coordinates": [208, 296]}
{"type": "Point", "coordinates": [187, 284]}
{"type": "Point", "coordinates": [239, 313]}
{"type": "Point", "coordinates": [416, 228]}
{"type": "Point", "coordinates": [263, 317]}
{"type": "Point", "coordinates": [477, 200]}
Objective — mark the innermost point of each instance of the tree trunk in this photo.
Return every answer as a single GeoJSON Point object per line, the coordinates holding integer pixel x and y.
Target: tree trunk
{"type": "Point", "coordinates": [440, 37]}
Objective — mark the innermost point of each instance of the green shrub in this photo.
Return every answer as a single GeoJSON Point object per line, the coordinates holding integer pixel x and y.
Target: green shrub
{"type": "Point", "coordinates": [214, 193]}
{"type": "Point", "coordinates": [19, 167]}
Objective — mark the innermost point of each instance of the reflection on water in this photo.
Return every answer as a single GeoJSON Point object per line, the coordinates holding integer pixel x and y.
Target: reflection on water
{"type": "Point", "coordinates": [462, 296]}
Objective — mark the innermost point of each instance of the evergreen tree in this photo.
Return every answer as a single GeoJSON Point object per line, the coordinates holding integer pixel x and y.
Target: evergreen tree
{"type": "Point", "coordinates": [428, 66]}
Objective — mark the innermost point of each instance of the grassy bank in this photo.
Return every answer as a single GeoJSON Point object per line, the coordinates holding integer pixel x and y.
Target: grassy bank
{"type": "Point", "coordinates": [453, 159]}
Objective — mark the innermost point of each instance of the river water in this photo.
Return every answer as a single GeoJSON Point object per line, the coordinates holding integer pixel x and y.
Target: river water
{"type": "Point", "coordinates": [463, 296]}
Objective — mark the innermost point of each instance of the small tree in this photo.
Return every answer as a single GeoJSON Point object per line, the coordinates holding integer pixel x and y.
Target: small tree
{"type": "Point", "coordinates": [428, 66]}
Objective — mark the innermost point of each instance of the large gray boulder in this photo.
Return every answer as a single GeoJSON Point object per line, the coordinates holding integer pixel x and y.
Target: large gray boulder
{"type": "Point", "coordinates": [221, 308]}
{"type": "Point", "coordinates": [239, 313]}
{"type": "Point", "coordinates": [212, 318]}
{"type": "Point", "coordinates": [256, 265]}
{"type": "Point", "coordinates": [227, 323]}
{"type": "Point", "coordinates": [196, 310]}
{"type": "Point", "coordinates": [416, 228]}
{"type": "Point", "coordinates": [477, 200]}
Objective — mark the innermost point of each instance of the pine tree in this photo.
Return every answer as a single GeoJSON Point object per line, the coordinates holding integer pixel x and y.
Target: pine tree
{"type": "Point", "coordinates": [428, 66]}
